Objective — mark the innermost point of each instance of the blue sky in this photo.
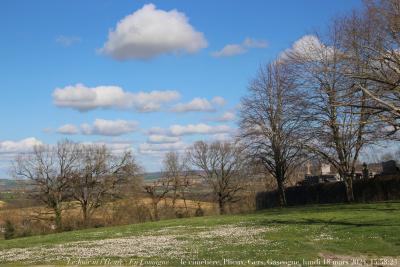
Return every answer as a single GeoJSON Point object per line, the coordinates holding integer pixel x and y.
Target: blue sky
{"type": "Point", "coordinates": [47, 45]}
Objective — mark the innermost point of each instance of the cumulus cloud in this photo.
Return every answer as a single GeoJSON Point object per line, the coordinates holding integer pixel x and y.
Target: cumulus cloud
{"type": "Point", "coordinates": [201, 128]}
{"type": "Point", "coordinates": [149, 32]}
{"type": "Point", "coordinates": [163, 140]}
{"type": "Point", "coordinates": [116, 146]}
{"type": "Point", "coordinates": [101, 127]}
{"type": "Point", "coordinates": [309, 46]}
{"type": "Point", "coordinates": [147, 148]}
{"type": "Point", "coordinates": [218, 100]}
{"type": "Point", "coordinates": [83, 98]}
{"type": "Point", "coordinates": [109, 127]}
{"type": "Point", "coordinates": [226, 116]}
{"type": "Point", "coordinates": [253, 43]}
{"type": "Point", "coordinates": [199, 104]}
{"type": "Point", "coordinates": [21, 146]}
{"type": "Point", "coordinates": [178, 130]}
{"type": "Point", "coordinates": [160, 139]}
{"type": "Point", "coordinates": [222, 137]}
{"type": "Point", "coordinates": [157, 131]}
{"type": "Point", "coordinates": [68, 129]}
{"type": "Point", "coordinates": [67, 40]}
{"type": "Point", "coordinates": [10, 149]}
{"type": "Point", "coordinates": [230, 50]}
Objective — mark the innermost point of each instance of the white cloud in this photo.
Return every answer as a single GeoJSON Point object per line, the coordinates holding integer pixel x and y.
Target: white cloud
{"type": "Point", "coordinates": [157, 131]}
{"type": "Point", "coordinates": [101, 127]}
{"type": "Point", "coordinates": [253, 43]}
{"type": "Point", "coordinates": [178, 130]}
{"type": "Point", "coordinates": [218, 100]}
{"type": "Point", "coordinates": [86, 129]}
{"type": "Point", "coordinates": [201, 128]}
{"type": "Point", "coordinates": [68, 129]}
{"type": "Point", "coordinates": [67, 40]}
{"type": "Point", "coordinates": [117, 146]}
{"type": "Point", "coordinates": [24, 145]}
{"type": "Point", "coordinates": [230, 50]}
{"type": "Point", "coordinates": [147, 148]}
{"type": "Point", "coordinates": [109, 127]}
{"type": "Point", "coordinates": [163, 140]}
{"type": "Point", "coordinates": [159, 139]}
{"type": "Point", "coordinates": [199, 104]}
{"type": "Point", "coordinates": [309, 47]}
{"type": "Point", "coordinates": [227, 116]}
{"type": "Point", "coordinates": [222, 137]}
{"type": "Point", "coordinates": [83, 98]}
{"type": "Point", "coordinates": [10, 149]}
{"type": "Point", "coordinates": [149, 32]}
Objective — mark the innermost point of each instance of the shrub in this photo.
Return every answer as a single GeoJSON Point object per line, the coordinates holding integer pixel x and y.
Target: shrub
{"type": "Point", "coordinates": [199, 211]}
{"type": "Point", "coordinates": [9, 230]}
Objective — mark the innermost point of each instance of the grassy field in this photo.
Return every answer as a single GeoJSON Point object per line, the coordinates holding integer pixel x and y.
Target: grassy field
{"type": "Point", "coordinates": [303, 236]}
{"type": "Point", "coordinates": [102, 214]}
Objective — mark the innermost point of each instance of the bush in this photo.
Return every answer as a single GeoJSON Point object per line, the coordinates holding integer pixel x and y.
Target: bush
{"type": "Point", "coordinates": [9, 230]}
{"type": "Point", "coordinates": [130, 211]}
{"type": "Point", "coordinates": [199, 211]}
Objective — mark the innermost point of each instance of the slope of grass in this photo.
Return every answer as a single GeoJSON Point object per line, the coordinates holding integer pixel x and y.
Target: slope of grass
{"type": "Point", "coordinates": [331, 232]}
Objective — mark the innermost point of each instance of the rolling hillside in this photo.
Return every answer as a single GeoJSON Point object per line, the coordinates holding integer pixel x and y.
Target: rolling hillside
{"type": "Point", "coordinates": [302, 235]}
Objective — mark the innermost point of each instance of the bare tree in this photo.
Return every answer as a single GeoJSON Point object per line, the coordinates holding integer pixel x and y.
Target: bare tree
{"type": "Point", "coordinates": [157, 191]}
{"type": "Point", "coordinates": [272, 128]}
{"type": "Point", "coordinates": [372, 46]}
{"type": "Point", "coordinates": [177, 172]}
{"type": "Point", "coordinates": [340, 122]}
{"type": "Point", "coordinates": [221, 165]}
{"type": "Point", "coordinates": [100, 177]}
{"type": "Point", "coordinates": [49, 168]}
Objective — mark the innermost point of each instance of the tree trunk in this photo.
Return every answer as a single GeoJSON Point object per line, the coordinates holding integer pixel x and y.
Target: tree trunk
{"type": "Point", "coordinates": [221, 206]}
{"type": "Point", "coordinates": [348, 182]}
{"type": "Point", "coordinates": [184, 200]}
{"type": "Point", "coordinates": [282, 195]}
{"type": "Point", "coordinates": [174, 198]}
{"type": "Point", "coordinates": [155, 211]}
{"type": "Point", "coordinates": [85, 215]}
{"type": "Point", "coordinates": [58, 219]}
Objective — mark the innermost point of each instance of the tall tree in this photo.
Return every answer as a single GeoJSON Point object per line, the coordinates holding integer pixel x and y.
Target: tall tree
{"type": "Point", "coordinates": [100, 177]}
{"type": "Point", "coordinates": [272, 128]}
{"type": "Point", "coordinates": [221, 165]}
{"type": "Point", "coordinates": [157, 191]}
{"type": "Point", "coordinates": [49, 169]}
{"type": "Point", "coordinates": [372, 46]}
{"type": "Point", "coordinates": [177, 172]}
{"type": "Point", "coordinates": [340, 122]}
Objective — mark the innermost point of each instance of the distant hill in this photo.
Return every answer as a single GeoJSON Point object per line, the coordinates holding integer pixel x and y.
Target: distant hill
{"type": "Point", "coordinates": [150, 176]}
{"type": "Point", "coordinates": [8, 184]}
{"type": "Point", "coordinates": [11, 184]}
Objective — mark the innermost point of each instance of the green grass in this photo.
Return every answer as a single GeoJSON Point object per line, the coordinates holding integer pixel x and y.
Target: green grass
{"type": "Point", "coordinates": [338, 232]}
